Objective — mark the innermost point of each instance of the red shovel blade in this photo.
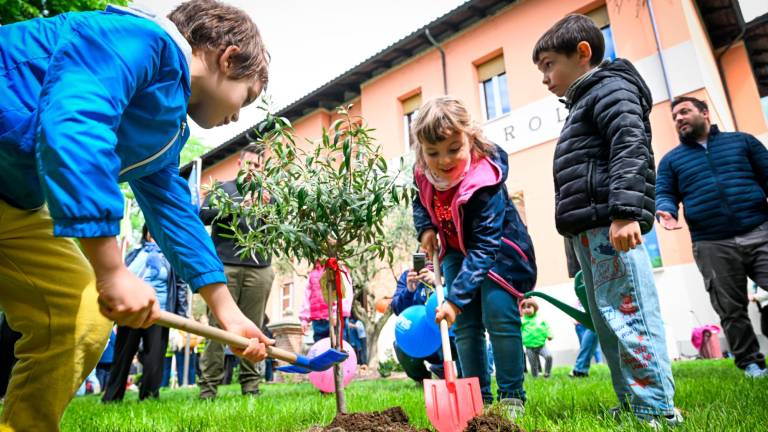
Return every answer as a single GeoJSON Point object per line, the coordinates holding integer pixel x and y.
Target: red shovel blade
{"type": "Point", "coordinates": [452, 403]}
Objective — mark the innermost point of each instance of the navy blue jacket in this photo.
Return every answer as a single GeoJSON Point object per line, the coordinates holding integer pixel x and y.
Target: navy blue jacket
{"type": "Point", "coordinates": [403, 299]}
{"type": "Point", "coordinates": [493, 238]}
{"type": "Point", "coordinates": [722, 188]}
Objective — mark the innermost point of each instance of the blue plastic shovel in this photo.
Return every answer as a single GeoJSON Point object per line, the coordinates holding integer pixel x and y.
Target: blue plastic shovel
{"type": "Point", "coordinates": [299, 363]}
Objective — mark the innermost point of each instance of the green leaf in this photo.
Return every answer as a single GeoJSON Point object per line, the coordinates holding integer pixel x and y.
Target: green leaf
{"type": "Point", "coordinates": [347, 154]}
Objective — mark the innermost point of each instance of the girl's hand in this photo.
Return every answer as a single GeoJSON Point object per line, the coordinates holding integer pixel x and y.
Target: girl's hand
{"type": "Point", "coordinates": [429, 242]}
{"type": "Point", "coordinates": [447, 311]}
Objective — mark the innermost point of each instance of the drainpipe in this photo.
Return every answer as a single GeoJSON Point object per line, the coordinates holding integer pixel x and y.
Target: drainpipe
{"type": "Point", "coordinates": [658, 48]}
{"type": "Point", "coordinates": [442, 58]}
{"type": "Point", "coordinates": [721, 71]}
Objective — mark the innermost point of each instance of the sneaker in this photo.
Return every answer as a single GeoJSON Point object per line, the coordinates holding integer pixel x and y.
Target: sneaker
{"type": "Point", "coordinates": [658, 422]}
{"type": "Point", "coordinates": [515, 408]}
{"type": "Point", "coordinates": [577, 374]}
{"type": "Point", "coordinates": [754, 371]}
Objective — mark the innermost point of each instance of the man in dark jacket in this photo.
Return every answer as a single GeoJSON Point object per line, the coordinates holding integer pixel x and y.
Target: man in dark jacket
{"type": "Point", "coordinates": [604, 198]}
{"type": "Point", "coordinates": [249, 281]}
{"type": "Point", "coordinates": [721, 178]}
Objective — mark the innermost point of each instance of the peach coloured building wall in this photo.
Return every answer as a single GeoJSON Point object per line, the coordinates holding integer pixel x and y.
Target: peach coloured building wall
{"type": "Point", "coordinates": [691, 69]}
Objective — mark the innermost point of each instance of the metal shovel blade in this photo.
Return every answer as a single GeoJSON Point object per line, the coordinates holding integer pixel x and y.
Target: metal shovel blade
{"type": "Point", "coordinates": [320, 362]}
{"type": "Point", "coordinates": [452, 402]}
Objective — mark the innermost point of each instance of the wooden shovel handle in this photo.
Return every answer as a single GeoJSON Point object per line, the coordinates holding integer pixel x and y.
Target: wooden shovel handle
{"type": "Point", "coordinates": [447, 357]}
{"type": "Point", "coordinates": [170, 320]}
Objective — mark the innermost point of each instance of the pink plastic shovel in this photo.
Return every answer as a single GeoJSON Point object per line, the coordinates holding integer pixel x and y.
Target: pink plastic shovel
{"type": "Point", "coordinates": [452, 402]}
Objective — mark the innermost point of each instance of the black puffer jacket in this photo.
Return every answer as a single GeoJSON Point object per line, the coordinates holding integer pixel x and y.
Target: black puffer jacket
{"type": "Point", "coordinates": [603, 165]}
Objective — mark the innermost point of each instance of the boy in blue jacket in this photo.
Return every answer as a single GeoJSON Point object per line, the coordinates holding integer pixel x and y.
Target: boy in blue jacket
{"type": "Point", "coordinates": [89, 100]}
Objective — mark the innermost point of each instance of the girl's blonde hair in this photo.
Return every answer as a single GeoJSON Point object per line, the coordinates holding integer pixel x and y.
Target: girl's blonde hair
{"type": "Point", "coordinates": [441, 117]}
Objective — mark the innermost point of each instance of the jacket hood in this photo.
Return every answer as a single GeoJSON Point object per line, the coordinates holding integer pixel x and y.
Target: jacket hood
{"type": "Point", "coordinates": [618, 68]}
{"type": "Point", "coordinates": [145, 12]}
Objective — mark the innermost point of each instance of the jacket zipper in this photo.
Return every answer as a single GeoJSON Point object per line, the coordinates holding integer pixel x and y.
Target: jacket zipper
{"type": "Point", "coordinates": [158, 153]}
{"type": "Point", "coordinates": [590, 188]}
{"type": "Point", "coordinates": [723, 196]}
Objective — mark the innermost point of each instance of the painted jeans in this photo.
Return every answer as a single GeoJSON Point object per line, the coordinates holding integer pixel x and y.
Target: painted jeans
{"type": "Point", "coordinates": [495, 310]}
{"type": "Point", "coordinates": [625, 311]}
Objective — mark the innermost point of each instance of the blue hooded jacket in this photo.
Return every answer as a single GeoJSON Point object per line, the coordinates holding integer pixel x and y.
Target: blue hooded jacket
{"type": "Point", "coordinates": [403, 299]}
{"type": "Point", "coordinates": [91, 99]}
{"type": "Point", "coordinates": [494, 240]}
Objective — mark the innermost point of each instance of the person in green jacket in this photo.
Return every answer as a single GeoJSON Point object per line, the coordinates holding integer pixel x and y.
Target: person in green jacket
{"type": "Point", "coordinates": [536, 333]}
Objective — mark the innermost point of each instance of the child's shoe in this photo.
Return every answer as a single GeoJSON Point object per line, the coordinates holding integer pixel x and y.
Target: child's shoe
{"type": "Point", "coordinates": [658, 422]}
{"type": "Point", "coordinates": [753, 371]}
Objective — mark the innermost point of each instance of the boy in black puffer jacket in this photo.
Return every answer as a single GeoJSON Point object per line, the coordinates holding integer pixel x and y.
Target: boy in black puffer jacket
{"type": "Point", "coordinates": [604, 197]}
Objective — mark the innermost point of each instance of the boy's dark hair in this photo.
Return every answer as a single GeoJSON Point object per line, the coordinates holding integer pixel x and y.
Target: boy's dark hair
{"type": "Point", "coordinates": [209, 24]}
{"type": "Point", "coordinates": [565, 35]}
{"type": "Point", "coordinates": [698, 103]}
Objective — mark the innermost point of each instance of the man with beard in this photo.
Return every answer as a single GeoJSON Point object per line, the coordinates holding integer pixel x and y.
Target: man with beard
{"type": "Point", "coordinates": [722, 180]}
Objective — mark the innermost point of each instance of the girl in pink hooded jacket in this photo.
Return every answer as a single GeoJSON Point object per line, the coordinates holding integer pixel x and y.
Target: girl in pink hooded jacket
{"type": "Point", "coordinates": [314, 311]}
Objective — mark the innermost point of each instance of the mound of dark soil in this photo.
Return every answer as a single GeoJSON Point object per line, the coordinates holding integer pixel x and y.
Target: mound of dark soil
{"type": "Point", "coordinates": [390, 420]}
{"type": "Point", "coordinates": [491, 423]}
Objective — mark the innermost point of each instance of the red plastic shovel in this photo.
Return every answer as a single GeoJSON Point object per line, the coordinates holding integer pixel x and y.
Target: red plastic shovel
{"type": "Point", "coordinates": [452, 402]}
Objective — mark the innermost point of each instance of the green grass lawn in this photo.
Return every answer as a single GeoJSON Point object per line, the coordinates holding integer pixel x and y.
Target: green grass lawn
{"type": "Point", "coordinates": [713, 395]}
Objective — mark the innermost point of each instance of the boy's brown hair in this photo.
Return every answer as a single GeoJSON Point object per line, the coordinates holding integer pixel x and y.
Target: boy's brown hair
{"type": "Point", "coordinates": [209, 24]}
{"type": "Point", "coordinates": [441, 117]}
{"type": "Point", "coordinates": [565, 35]}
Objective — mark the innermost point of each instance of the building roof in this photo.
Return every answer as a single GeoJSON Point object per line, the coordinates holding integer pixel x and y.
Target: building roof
{"type": "Point", "coordinates": [725, 26]}
{"type": "Point", "coordinates": [346, 86]}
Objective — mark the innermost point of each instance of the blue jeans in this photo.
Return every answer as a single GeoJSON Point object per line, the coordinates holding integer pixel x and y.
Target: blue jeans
{"type": "Point", "coordinates": [494, 309]}
{"type": "Point", "coordinates": [321, 330]}
{"type": "Point", "coordinates": [588, 346]}
{"type": "Point", "coordinates": [191, 372]}
{"type": "Point", "coordinates": [625, 311]}
{"type": "Point", "coordinates": [167, 364]}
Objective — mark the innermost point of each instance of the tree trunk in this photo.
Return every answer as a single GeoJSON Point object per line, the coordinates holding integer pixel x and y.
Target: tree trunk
{"type": "Point", "coordinates": [373, 336]}
{"type": "Point", "coordinates": [372, 329]}
{"type": "Point", "coordinates": [338, 372]}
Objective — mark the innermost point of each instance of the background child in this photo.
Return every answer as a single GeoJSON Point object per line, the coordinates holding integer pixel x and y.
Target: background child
{"type": "Point", "coordinates": [149, 264]}
{"type": "Point", "coordinates": [536, 333]}
{"type": "Point", "coordinates": [604, 198]}
{"type": "Point", "coordinates": [414, 289]}
{"type": "Point", "coordinates": [486, 251]}
{"type": "Point", "coordinates": [88, 100]}
{"type": "Point", "coordinates": [314, 309]}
